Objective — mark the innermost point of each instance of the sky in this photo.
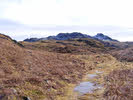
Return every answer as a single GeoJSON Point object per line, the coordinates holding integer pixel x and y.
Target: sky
{"type": "Point", "coordinates": [22, 19]}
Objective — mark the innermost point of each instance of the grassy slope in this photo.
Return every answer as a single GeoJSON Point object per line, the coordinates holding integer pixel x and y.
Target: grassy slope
{"type": "Point", "coordinates": [45, 70]}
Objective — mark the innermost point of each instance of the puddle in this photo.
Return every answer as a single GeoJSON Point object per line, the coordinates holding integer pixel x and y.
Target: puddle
{"type": "Point", "coordinates": [86, 87]}
{"type": "Point", "coordinates": [92, 75]}
{"type": "Point", "coordinates": [99, 72]}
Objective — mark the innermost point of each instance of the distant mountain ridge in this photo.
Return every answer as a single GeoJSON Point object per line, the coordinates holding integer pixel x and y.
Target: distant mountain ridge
{"type": "Point", "coordinates": [34, 39]}
{"type": "Point", "coordinates": [103, 37]}
{"type": "Point", "coordinates": [66, 36]}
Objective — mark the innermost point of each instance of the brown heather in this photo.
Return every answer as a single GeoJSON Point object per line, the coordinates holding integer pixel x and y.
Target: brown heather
{"type": "Point", "coordinates": [119, 85]}
{"type": "Point", "coordinates": [124, 55]}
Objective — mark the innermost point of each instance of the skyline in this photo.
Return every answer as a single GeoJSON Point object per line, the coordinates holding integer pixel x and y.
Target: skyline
{"type": "Point", "coordinates": [22, 19]}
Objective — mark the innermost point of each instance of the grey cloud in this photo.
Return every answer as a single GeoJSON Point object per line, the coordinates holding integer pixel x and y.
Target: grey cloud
{"type": "Point", "coordinates": [20, 31]}
{"type": "Point", "coordinates": [6, 22]}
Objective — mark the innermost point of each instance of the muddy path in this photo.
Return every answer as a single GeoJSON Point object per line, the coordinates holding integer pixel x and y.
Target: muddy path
{"type": "Point", "coordinates": [92, 86]}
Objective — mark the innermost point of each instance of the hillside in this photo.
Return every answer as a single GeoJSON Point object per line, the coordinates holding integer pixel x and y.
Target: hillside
{"type": "Point", "coordinates": [74, 46]}
{"type": "Point", "coordinates": [32, 73]}
{"type": "Point", "coordinates": [124, 55]}
{"type": "Point", "coordinates": [49, 69]}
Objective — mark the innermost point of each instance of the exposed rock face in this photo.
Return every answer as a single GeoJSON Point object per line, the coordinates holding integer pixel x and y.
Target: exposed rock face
{"type": "Point", "coordinates": [103, 37]}
{"type": "Point", "coordinates": [66, 36]}
{"type": "Point", "coordinates": [26, 98]}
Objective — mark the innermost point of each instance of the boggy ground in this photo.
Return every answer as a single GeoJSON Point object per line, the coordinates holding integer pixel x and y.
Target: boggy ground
{"type": "Point", "coordinates": [49, 70]}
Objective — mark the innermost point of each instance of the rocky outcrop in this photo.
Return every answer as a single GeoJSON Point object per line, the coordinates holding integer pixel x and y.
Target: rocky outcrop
{"type": "Point", "coordinates": [66, 36]}
{"type": "Point", "coordinates": [103, 37]}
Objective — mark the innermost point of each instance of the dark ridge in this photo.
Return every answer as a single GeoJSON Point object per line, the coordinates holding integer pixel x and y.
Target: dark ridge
{"type": "Point", "coordinates": [74, 35]}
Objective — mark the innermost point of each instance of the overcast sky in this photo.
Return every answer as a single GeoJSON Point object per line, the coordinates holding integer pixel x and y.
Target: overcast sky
{"type": "Point", "coordinates": [22, 19]}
